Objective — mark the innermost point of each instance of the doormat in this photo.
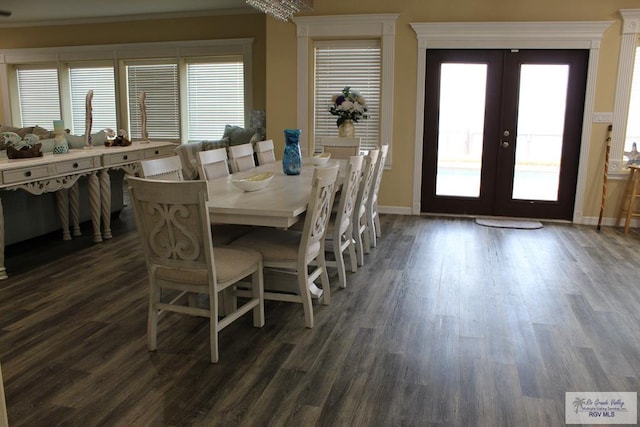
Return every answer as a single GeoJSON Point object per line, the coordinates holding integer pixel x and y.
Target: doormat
{"type": "Point", "coordinates": [509, 223]}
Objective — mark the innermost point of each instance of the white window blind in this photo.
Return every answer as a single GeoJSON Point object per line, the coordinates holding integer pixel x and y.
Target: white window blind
{"type": "Point", "coordinates": [356, 64]}
{"type": "Point", "coordinates": [160, 84]}
{"type": "Point", "coordinates": [38, 94]}
{"type": "Point", "coordinates": [215, 97]}
{"type": "Point", "coordinates": [633, 121]}
{"type": "Point", "coordinates": [44, 91]}
{"type": "Point", "coordinates": [101, 80]}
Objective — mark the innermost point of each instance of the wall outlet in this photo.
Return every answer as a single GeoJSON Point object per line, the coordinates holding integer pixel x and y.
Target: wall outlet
{"type": "Point", "coordinates": [602, 118]}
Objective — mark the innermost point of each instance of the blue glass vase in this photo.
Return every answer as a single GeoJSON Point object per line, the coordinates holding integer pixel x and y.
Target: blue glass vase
{"type": "Point", "coordinates": [292, 158]}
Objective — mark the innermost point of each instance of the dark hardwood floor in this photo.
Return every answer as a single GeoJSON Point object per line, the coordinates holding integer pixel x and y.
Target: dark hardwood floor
{"type": "Point", "coordinates": [448, 324]}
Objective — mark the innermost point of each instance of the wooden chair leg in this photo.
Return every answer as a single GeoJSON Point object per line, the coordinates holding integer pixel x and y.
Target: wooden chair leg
{"type": "Point", "coordinates": [324, 279]}
{"type": "Point", "coordinates": [367, 240]}
{"type": "Point", "coordinates": [353, 260]}
{"type": "Point", "coordinates": [371, 231]}
{"type": "Point", "coordinates": [152, 321]}
{"type": "Point", "coordinates": [213, 328]}
{"type": "Point", "coordinates": [257, 291]}
{"type": "Point", "coordinates": [305, 296]}
{"type": "Point", "coordinates": [359, 245]}
{"type": "Point", "coordinates": [342, 274]}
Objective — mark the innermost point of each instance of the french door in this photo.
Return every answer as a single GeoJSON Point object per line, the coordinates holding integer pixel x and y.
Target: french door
{"type": "Point", "coordinates": [502, 132]}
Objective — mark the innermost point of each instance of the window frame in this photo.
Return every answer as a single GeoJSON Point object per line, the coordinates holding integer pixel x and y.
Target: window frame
{"type": "Point", "coordinates": [15, 82]}
{"type": "Point", "coordinates": [630, 41]}
{"type": "Point", "coordinates": [345, 27]}
{"type": "Point", "coordinates": [368, 126]}
{"type": "Point", "coordinates": [132, 114]}
{"type": "Point", "coordinates": [67, 101]}
{"type": "Point", "coordinates": [210, 60]}
{"type": "Point", "coordinates": [116, 55]}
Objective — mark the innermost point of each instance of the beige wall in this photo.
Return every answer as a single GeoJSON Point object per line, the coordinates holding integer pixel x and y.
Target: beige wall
{"type": "Point", "coordinates": [204, 28]}
{"type": "Point", "coordinates": [396, 189]}
{"type": "Point", "coordinates": [275, 64]}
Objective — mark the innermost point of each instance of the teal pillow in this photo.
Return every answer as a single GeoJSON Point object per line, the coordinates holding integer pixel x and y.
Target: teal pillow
{"type": "Point", "coordinates": [238, 135]}
{"type": "Point", "coordinates": [77, 141]}
{"type": "Point", "coordinates": [212, 145]}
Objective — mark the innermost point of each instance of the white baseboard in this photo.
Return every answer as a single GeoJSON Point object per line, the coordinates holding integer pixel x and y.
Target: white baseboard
{"type": "Point", "coordinates": [396, 210]}
{"type": "Point", "coordinates": [607, 222]}
{"type": "Point", "coordinates": [585, 220]}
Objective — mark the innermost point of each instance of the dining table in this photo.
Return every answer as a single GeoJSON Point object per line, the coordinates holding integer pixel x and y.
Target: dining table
{"type": "Point", "coordinates": [280, 204]}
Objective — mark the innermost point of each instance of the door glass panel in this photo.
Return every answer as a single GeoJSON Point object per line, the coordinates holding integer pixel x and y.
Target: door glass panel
{"type": "Point", "coordinates": [541, 113]}
{"type": "Point", "coordinates": [461, 129]}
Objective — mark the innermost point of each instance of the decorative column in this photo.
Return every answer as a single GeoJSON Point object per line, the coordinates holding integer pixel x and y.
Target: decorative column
{"type": "Point", "coordinates": [62, 201]}
{"type": "Point", "coordinates": [94, 205]}
{"type": "Point", "coordinates": [74, 209]}
{"type": "Point", "coordinates": [105, 202]}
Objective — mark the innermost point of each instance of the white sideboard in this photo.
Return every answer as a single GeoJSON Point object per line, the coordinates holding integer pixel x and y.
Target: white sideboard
{"type": "Point", "coordinates": [127, 159]}
{"type": "Point", "coordinates": [59, 173]}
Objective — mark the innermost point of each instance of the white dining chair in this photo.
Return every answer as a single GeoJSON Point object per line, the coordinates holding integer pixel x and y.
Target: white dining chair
{"type": "Point", "coordinates": [213, 164]}
{"type": "Point", "coordinates": [373, 219]}
{"type": "Point", "coordinates": [300, 253]}
{"type": "Point", "coordinates": [265, 152]}
{"type": "Point", "coordinates": [360, 232]}
{"type": "Point", "coordinates": [165, 168]}
{"type": "Point", "coordinates": [241, 157]}
{"type": "Point", "coordinates": [340, 148]}
{"type": "Point", "coordinates": [339, 236]}
{"type": "Point", "coordinates": [172, 219]}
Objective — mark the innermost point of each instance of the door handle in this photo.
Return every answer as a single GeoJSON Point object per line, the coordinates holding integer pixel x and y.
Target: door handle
{"type": "Point", "coordinates": [504, 144]}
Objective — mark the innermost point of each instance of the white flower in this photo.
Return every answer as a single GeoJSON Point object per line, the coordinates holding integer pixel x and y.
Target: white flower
{"type": "Point", "coordinates": [348, 105]}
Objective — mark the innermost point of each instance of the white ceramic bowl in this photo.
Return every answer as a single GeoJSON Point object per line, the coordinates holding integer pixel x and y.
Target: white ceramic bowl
{"type": "Point", "coordinates": [253, 182]}
{"type": "Point", "coordinates": [321, 159]}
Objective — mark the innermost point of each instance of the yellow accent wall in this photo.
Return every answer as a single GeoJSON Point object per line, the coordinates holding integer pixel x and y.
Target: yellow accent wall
{"type": "Point", "coordinates": [396, 188]}
{"type": "Point", "coordinates": [274, 64]}
{"type": "Point", "coordinates": [204, 28]}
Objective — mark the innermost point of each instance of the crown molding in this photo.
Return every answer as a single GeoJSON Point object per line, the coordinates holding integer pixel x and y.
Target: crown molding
{"type": "Point", "coordinates": [130, 18]}
{"type": "Point", "coordinates": [630, 21]}
{"type": "Point", "coordinates": [511, 34]}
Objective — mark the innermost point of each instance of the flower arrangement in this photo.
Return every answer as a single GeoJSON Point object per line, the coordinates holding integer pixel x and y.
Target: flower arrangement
{"type": "Point", "coordinates": [348, 105]}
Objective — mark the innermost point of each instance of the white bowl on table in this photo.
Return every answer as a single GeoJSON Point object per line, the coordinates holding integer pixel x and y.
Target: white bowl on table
{"type": "Point", "coordinates": [253, 182]}
{"type": "Point", "coordinates": [321, 159]}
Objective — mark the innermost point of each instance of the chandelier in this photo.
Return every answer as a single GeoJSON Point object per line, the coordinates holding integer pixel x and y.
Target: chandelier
{"type": "Point", "coordinates": [281, 9]}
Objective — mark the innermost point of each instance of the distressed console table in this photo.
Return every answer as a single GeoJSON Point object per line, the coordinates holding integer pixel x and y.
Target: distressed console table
{"type": "Point", "coordinates": [59, 173]}
{"type": "Point", "coordinates": [127, 159]}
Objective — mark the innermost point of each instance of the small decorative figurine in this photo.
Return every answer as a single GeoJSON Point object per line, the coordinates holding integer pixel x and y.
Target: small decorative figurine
{"type": "Point", "coordinates": [143, 116]}
{"type": "Point", "coordinates": [88, 120]}
{"type": "Point", "coordinates": [633, 156]}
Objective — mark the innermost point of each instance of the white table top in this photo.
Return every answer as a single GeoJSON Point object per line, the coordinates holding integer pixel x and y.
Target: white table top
{"type": "Point", "coordinates": [279, 204]}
